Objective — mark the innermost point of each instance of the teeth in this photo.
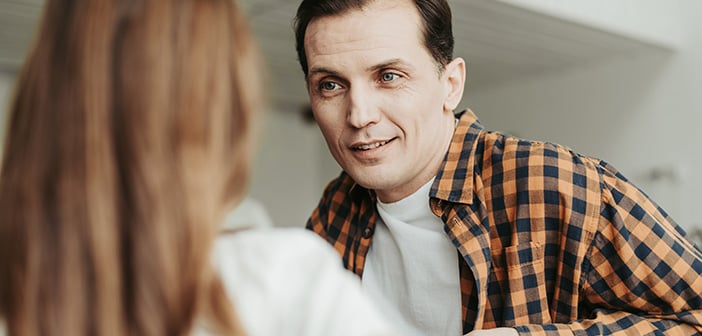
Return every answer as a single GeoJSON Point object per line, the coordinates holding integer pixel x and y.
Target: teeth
{"type": "Point", "coordinates": [371, 146]}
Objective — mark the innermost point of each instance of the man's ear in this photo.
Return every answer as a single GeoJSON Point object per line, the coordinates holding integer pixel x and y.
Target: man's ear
{"type": "Point", "coordinates": [455, 80]}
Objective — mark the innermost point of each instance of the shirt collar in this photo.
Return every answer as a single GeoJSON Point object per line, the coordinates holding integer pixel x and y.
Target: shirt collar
{"type": "Point", "coordinates": [454, 181]}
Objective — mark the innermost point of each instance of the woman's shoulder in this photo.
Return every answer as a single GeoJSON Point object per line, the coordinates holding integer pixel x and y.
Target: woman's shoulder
{"type": "Point", "coordinates": [265, 255]}
{"type": "Point", "coordinates": [273, 245]}
{"type": "Point", "coordinates": [290, 281]}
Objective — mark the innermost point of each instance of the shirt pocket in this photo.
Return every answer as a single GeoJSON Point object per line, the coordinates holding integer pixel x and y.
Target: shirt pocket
{"type": "Point", "coordinates": [526, 300]}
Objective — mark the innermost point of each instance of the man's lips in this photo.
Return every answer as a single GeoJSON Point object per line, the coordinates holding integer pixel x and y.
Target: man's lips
{"type": "Point", "coordinates": [364, 146]}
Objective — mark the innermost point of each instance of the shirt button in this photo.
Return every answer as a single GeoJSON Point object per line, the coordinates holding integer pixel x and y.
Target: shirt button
{"type": "Point", "coordinates": [367, 232]}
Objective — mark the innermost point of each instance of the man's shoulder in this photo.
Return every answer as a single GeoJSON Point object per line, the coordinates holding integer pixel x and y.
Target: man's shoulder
{"type": "Point", "coordinates": [473, 139]}
{"type": "Point", "coordinates": [497, 145]}
{"type": "Point", "coordinates": [492, 144]}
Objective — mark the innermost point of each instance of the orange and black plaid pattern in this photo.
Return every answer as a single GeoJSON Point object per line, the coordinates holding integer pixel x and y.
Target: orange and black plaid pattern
{"type": "Point", "coordinates": [552, 242]}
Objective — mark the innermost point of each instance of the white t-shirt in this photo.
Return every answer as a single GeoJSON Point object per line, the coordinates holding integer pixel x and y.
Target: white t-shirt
{"type": "Point", "coordinates": [412, 267]}
{"type": "Point", "coordinates": [291, 282]}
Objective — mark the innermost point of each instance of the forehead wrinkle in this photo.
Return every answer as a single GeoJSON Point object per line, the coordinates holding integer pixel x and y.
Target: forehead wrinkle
{"type": "Point", "coordinates": [328, 44]}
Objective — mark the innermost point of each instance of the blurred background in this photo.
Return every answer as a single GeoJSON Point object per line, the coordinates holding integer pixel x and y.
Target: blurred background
{"type": "Point", "coordinates": [616, 79]}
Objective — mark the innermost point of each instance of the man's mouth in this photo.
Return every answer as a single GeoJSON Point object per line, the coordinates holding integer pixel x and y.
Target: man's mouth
{"type": "Point", "coordinates": [373, 145]}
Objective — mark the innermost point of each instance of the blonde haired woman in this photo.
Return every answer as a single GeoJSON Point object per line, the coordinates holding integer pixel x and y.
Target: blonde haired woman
{"type": "Point", "coordinates": [127, 142]}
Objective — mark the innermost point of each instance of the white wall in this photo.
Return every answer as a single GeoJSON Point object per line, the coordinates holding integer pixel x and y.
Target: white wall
{"type": "Point", "coordinates": [6, 80]}
{"type": "Point", "coordinates": [6, 84]}
{"type": "Point", "coordinates": [642, 114]}
{"type": "Point", "coordinates": [292, 167]}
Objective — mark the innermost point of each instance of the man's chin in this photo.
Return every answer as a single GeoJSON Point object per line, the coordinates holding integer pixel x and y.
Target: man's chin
{"type": "Point", "coordinates": [368, 180]}
{"type": "Point", "coordinates": [373, 182]}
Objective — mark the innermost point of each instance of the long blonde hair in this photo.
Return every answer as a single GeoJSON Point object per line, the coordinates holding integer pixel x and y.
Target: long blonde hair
{"type": "Point", "coordinates": [127, 141]}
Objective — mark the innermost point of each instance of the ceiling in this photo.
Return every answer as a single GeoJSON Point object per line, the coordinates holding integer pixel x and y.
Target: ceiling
{"type": "Point", "coordinates": [500, 42]}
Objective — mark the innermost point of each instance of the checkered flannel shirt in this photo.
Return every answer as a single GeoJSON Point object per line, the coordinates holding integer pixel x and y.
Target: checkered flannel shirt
{"type": "Point", "coordinates": [552, 242]}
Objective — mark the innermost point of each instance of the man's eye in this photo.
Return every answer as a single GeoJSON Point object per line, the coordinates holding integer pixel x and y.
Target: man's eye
{"type": "Point", "coordinates": [328, 86]}
{"type": "Point", "coordinates": [389, 76]}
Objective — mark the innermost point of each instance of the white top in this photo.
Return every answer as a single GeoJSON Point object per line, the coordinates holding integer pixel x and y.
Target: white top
{"type": "Point", "coordinates": [291, 282]}
{"type": "Point", "coordinates": [250, 213]}
{"type": "Point", "coordinates": [412, 266]}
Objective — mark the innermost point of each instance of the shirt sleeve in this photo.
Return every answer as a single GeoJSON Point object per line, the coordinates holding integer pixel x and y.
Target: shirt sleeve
{"type": "Point", "coordinates": [641, 276]}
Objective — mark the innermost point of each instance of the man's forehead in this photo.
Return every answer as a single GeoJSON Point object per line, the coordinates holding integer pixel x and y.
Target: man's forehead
{"type": "Point", "coordinates": [399, 15]}
{"type": "Point", "coordinates": [367, 56]}
{"type": "Point", "coordinates": [374, 36]}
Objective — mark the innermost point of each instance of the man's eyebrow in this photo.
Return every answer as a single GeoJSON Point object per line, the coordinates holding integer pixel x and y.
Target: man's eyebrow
{"type": "Point", "coordinates": [322, 70]}
{"type": "Point", "coordinates": [317, 70]}
{"type": "Point", "coordinates": [388, 63]}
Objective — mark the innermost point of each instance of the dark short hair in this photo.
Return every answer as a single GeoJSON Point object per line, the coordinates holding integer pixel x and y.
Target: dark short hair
{"type": "Point", "coordinates": [435, 14]}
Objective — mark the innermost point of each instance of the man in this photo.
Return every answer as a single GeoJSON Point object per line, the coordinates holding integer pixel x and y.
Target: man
{"type": "Point", "coordinates": [461, 229]}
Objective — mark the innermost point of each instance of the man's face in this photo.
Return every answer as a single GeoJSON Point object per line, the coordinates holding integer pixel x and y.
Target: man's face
{"type": "Point", "coordinates": [384, 107]}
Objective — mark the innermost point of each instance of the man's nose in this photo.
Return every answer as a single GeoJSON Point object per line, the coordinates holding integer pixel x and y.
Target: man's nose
{"type": "Point", "coordinates": [362, 109]}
